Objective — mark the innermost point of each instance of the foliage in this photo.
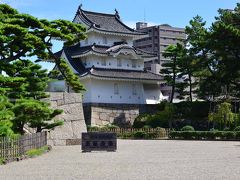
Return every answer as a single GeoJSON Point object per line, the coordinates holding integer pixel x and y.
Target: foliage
{"type": "Point", "coordinates": [25, 36]}
{"type": "Point", "coordinates": [208, 135]}
{"type": "Point", "coordinates": [143, 133]}
{"type": "Point", "coordinates": [147, 127]}
{"type": "Point", "coordinates": [218, 52]}
{"type": "Point", "coordinates": [2, 161]}
{"type": "Point", "coordinates": [111, 126]}
{"type": "Point", "coordinates": [208, 61]}
{"type": "Point", "coordinates": [160, 119]}
{"type": "Point", "coordinates": [187, 128]}
{"type": "Point", "coordinates": [6, 116]}
{"type": "Point", "coordinates": [170, 68]}
{"type": "Point", "coordinates": [140, 121]}
{"type": "Point", "coordinates": [37, 152]}
{"type": "Point", "coordinates": [139, 134]}
{"type": "Point", "coordinates": [36, 114]}
{"type": "Point", "coordinates": [223, 116]}
{"type": "Point", "coordinates": [32, 80]}
{"type": "Point", "coordinates": [237, 128]}
{"type": "Point", "coordinates": [28, 108]}
{"type": "Point", "coordinates": [71, 79]}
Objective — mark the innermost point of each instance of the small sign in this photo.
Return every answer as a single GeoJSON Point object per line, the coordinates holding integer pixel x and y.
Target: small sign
{"type": "Point", "coordinates": [99, 141]}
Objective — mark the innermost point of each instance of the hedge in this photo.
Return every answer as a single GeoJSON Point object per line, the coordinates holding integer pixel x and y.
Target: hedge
{"type": "Point", "coordinates": [208, 135]}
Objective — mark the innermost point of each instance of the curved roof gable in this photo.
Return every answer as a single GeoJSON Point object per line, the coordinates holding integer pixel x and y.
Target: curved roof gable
{"type": "Point", "coordinates": [105, 22]}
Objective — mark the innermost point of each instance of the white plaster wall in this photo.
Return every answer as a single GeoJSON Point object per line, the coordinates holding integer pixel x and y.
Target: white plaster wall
{"type": "Point", "coordinates": [98, 39]}
{"type": "Point", "coordinates": [152, 93]}
{"type": "Point", "coordinates": [102, 91]}
{"type": "Point", "coordinates": [88, 93]}
{"type": "Point", "coordinates": [111, 63]}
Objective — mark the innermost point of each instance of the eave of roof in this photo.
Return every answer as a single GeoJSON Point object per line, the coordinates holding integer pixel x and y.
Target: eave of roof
{"type": "Point", "coordinates": [99, 22]}
{"type": "Point", "coordinates": [122, 74]}
{"type": "Point", "coordinates": [100, 50]}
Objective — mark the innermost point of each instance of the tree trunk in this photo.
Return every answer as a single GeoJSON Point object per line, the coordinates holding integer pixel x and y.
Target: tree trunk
{"type": "Point", "coordinates": [174, 79]}
{"type": "Point", "coordinates": [39, 129]}
{"type": "Point", "coordinates": [190, 86]}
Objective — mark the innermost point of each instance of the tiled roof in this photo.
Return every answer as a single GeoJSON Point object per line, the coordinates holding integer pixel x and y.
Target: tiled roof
{"type": "Point", "coordinates": [105, 50]}
{"type": "Point", "coordinates": [101, 72]}
{"type": "Point", "coordinates": [122, 74]}
{"type": "Point", "coordinates": [106, 22]}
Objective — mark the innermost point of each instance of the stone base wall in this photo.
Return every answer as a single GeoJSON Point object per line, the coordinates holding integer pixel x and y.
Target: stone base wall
{"type": "Point", "coordinates": [73, 117]}
{"type": "Point", "coordinates": [122, 115]}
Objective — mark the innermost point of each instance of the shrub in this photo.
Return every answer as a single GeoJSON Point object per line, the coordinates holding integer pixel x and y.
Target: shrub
{"type": "Point", "coordinates": [151, 135]}
{"type": "Point", "coordinates": [93, 128]}
{"type": "Point", "coordinates": [237, 134]}
{"type": "Point", "coordinates": [158, 120]}
{"type": "Point", "coordinates": [112, 126]}
{"type": "Point", "coordinates": [187, 128]}
{"type": "Point", "coordinates": [2, 161]}
{"type": "Point", "coordinates": [126, 135]}
{"type": "Point", "coordinates": [174, 134]}
{"type": "Point", "coordinates": [204, 135]}
{"type": "Point", "coordinates": [104, 129]}
{"type": "Point", "coordinates": [147, 127]}
{"type": "Point", "coordinates": [219, 134]}
{"type": "Point", "coordinates": [140, 121]}
{"type": "Point", "coordinates": [237, 128]}
{"type": "Point", "coordinates": [229, 135]}
{"type": "Point", "coordinates": [139, 134]}
{"type": "Point", "coordinates": [37, 152]}
{"type": "Point", "coordinates": [226, 129]}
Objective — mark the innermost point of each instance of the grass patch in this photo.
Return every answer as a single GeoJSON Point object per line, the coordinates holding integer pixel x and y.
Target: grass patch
{"type": "Point", "coordinates": [1, 161]}
{"type": "Point", "coordinates": [37, 152]}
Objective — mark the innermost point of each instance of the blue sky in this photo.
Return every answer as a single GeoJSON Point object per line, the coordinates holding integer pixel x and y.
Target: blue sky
{"type": "Point", "coordinates": [174, 12]}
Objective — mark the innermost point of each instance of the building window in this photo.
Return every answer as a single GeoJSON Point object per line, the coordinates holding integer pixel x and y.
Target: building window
{"type": "Point", "coordinates": [134, 89]}
{"type": "Point", "coordinates": [119, 62]}
{"type": "Point", "coordinates": [104, 40]}
{"type": "Point", "coordinates": [116, 90]}
{"type": "Point", "coordinates": [134, 64]}
{"type": "Point", "coordinates": [104, 62]}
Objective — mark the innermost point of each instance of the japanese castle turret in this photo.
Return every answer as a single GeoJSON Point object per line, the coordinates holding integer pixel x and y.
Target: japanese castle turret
{"type": "Point", "coordinates": [111, 69]}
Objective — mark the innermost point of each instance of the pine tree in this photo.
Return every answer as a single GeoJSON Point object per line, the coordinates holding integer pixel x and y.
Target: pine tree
{"type": "Point", "coordinates": [28, 108]}
{"type": "Point", "coordinates": [25, 36]}
{"type": "Point", "coordinates": [6, 117]}
{"type": "Point", "coordinates": [170, 68]}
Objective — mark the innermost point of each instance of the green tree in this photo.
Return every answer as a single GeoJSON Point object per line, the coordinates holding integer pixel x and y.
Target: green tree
{"type": "Point", "coordinates": [28, 108]}
{"type": "Point", "coordinates": [33, 80]}
{"type": "Point", "coordinates": [6, 117]}
{"type": "Point", "coordinates": [224, 46]}
{"type": "Point", "coordinates": [170, 68]}
{"type": "Point", "coordinates": [25, 36]}
{"type": "Point", "coordinates": [35, 114]}
{"type": "Point", "coordinates": [223, 116]}
{"type": "Point", "coordinates": [195, 63]}
{"type": "Point", "coordinates": [217, 53]}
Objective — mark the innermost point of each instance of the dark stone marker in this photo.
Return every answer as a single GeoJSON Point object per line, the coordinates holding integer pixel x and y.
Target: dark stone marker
{"type": "Point", "coordinates": [99, 141]}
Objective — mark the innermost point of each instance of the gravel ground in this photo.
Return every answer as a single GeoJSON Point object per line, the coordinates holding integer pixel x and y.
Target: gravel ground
{"type": "Point", "coordinates": [160, 159]}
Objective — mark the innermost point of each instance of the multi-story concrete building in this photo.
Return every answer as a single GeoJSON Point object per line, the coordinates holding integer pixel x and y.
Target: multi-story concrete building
{"type": "Point", "coordinates": [160, 37]}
